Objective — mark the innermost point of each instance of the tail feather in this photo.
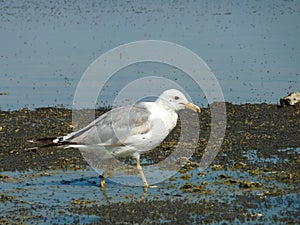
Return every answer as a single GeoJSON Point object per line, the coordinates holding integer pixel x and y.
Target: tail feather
{"type": "Point", "coordinates": [50, 141]}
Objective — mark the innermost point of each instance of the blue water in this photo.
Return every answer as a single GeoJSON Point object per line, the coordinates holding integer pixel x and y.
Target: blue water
{"type": "Point", "coordinates": [252, 47]}
{"type": "Point", "coordinates": [47, 197]}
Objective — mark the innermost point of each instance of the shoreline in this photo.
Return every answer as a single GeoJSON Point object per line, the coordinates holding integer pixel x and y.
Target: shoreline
{"type": "Point", "coordinates": [257, 167]}
{"type": "Point", "coordinates": [263, 127]}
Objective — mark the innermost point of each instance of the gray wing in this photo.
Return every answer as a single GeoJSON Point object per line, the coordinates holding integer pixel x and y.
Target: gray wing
{"type": "Point", "coordinates": [114, 127]}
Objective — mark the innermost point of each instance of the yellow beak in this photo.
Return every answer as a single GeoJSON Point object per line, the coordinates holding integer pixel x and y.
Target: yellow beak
{"type": "Point", "coordinates": [192, 107]}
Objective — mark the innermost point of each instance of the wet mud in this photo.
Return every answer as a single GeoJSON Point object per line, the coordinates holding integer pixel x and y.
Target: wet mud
{"type": "Point", "coordinates": [254, 179]}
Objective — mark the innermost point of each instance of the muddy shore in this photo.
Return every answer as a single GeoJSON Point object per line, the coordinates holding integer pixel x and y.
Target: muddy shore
{"type": "Point", "coordinates": [264, 128]}
{"type": "Point", "coordinates": [261, 127]}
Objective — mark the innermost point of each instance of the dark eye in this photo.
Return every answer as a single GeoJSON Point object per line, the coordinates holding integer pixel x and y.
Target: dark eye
{"type": "Point", "coordinates": [176, 97]}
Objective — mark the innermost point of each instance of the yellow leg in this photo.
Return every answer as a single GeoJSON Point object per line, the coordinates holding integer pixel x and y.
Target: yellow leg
{"type": "Point", "coordinates": [138, 166]}
{"type": "Point", "coordinates": [102, 183]}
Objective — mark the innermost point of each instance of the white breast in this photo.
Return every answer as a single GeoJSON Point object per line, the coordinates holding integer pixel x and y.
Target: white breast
{"type": "Point", "coordinates": [167, 118]}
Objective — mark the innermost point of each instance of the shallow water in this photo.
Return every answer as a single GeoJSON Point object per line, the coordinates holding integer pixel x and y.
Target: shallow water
{"type": "Point", "coordinates": [46, 197]}
{"type": "Point", "coordinates": [252, 48]}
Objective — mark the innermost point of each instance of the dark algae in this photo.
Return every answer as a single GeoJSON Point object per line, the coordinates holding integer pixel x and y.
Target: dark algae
{"type": "Point", "coordinates": [254, 179]}
{"type": "Point", "coordinates": [262, 127]}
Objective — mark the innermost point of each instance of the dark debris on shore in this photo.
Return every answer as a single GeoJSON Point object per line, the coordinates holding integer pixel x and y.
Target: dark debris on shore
{"type": "Point", "coordinates": [265, 128]}
{"type": "Point", "coordinates": [262, 127]}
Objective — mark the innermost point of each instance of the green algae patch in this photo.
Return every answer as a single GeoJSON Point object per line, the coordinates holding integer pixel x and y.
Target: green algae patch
{"type": "Point", "coordinates": [191, 188]}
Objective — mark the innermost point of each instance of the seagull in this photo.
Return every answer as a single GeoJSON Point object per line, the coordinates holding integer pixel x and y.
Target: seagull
{"type": "Point", "coordinates": [129, 130]}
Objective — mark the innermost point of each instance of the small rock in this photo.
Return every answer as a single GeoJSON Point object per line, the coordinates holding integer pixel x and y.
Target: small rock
{"type": "Point", "coordinates": [185, 176]}
{"type": "Point", "coordinates": [249, 184]}
{"type": "Point", "coordinates": [217, 167]}
{"type": "Point", "coordinates": [186, 186]}
{"type": "Point", "coordinates": [224, 176]}
{"type": "Point", "coordinates": [290, 100]}
{"type": "Point", "coordinates": [12, 151]}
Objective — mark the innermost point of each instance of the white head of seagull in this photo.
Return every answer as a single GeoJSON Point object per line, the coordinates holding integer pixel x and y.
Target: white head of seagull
{"type": "Point", "coordinates": [175, 100]}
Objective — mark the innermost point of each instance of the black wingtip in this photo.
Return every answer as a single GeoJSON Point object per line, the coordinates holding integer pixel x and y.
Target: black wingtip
{"type": "Point", "coordinates": [49, 141]}
{"type": "Point", "coordinates": [45, 142]}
